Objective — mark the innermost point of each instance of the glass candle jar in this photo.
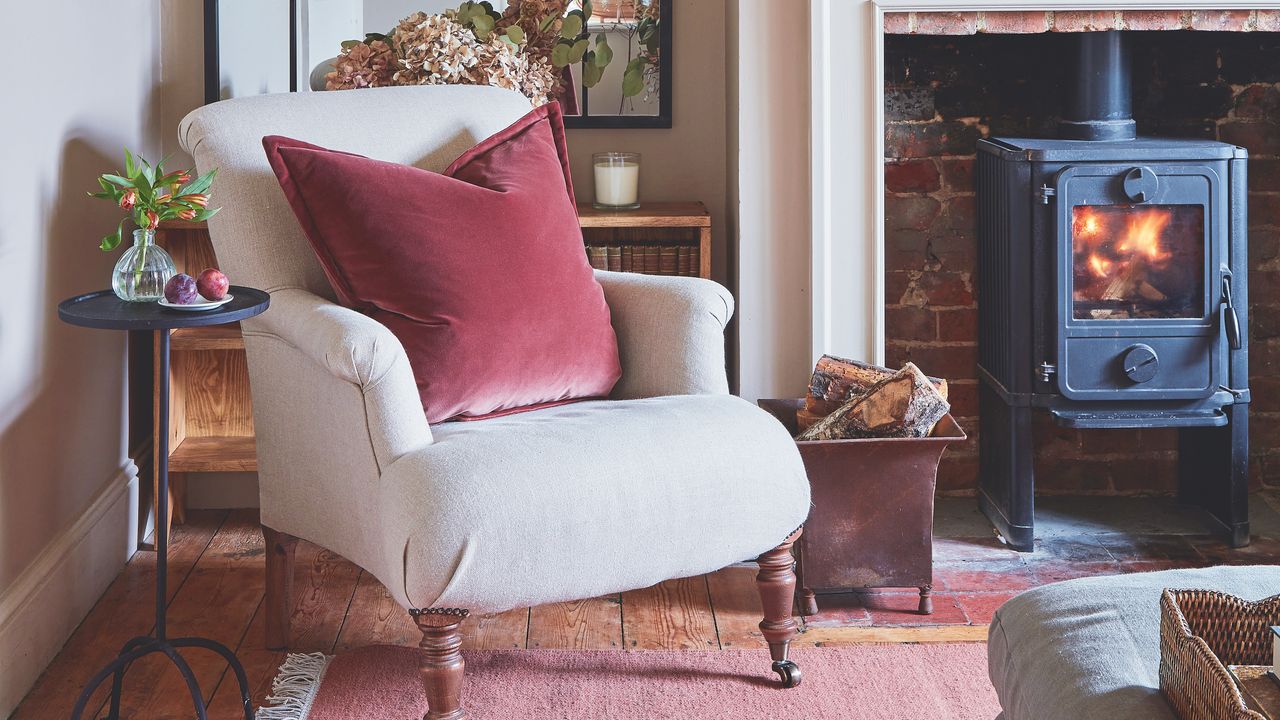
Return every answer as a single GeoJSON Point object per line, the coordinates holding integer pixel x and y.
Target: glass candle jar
{"type": "Point", "coordinates": [617, 176]}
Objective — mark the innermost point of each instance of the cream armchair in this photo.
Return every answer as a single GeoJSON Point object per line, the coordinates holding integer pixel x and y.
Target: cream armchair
{"type": "Point", "coordinates": [671, 477]}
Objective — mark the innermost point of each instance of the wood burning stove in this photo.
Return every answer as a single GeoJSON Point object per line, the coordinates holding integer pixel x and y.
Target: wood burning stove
{"type": "Point", "coordinates": [1112, 292]}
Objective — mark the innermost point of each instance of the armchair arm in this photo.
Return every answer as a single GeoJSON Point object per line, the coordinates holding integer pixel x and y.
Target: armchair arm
{"type": "Point", "coordinates": [359, 350]}
{"type": "Point", "coordinates": [670, 333]}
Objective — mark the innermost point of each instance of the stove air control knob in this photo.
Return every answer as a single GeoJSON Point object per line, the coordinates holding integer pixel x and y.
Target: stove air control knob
{"type": "Point", "coordinates": [1140, 362]}
{"type": "Point", "coordinates": [1140, 184]}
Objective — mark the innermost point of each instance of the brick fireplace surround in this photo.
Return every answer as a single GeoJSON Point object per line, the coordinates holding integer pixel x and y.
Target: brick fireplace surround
{"type": "Point", "coordinates": [953, 77]}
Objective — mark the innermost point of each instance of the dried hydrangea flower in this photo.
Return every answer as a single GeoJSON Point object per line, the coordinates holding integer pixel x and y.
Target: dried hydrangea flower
{"type": "Point", "coordinates": [362, 65]}
{"type": "Point", "coordinates": [436, 50]}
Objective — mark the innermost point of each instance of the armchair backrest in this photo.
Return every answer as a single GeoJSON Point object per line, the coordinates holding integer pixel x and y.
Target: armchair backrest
{"type": "Point", "coordinates": [256, 236]}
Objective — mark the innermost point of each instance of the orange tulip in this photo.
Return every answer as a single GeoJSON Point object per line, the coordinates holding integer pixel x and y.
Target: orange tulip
{"type": "Point", "coordinates": [129, 199]}
{"type": "Point", "coordinates": [187, 214]}
{"type": "Point", "coordinates": [153, 220]}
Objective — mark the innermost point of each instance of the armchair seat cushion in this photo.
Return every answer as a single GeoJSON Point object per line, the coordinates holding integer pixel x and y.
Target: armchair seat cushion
{"type": "Point", "coordinates": [586, 499]}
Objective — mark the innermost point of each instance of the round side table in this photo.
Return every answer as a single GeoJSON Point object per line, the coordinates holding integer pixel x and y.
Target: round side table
{"type": "Point", "coordinates": [103, 310]}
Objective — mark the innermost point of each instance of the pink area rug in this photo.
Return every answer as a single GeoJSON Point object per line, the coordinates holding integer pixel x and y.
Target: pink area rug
{"type": "Point", "coordinates": [878, 682]}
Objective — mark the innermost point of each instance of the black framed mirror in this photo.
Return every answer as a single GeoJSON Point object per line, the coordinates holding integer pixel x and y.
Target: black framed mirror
{"type": "Point", "coordinates": [608, 62]}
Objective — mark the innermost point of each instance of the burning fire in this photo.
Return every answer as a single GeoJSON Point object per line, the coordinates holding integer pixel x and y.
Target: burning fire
{"type": "Point", "coordinates": [1125, 264]}
{"type": "Point", "coordinates": [1087, 224]}
{"type": "Point", "coordinates": [1109, 251]}
{"type": "Point", "coordinates": [1099, 265]}
{"type": "Point", "coordinates": [1142, 236]}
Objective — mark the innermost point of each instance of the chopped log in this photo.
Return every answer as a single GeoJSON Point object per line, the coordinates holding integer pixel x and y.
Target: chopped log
{"type": "Point", "coordinates": [1150, 292]}
{"type": "Point", "coordinates": [1122, 286]}
{"type": "Point", "coordinates": [906, 404]}
{"type": "Point", "coordinates": [836, 380]}
{"type": "Point", "coordinates": [805, 418]}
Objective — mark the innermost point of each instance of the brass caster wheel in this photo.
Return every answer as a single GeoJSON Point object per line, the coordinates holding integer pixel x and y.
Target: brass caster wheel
{"type": "Point", "coordinates": [789, 672]}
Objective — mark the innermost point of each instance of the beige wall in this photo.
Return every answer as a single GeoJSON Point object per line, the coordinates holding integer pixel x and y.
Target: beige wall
{"type": "Point", "coordinates": [686, 162]}
{"type": "Point", "coordinates": [86, 91]}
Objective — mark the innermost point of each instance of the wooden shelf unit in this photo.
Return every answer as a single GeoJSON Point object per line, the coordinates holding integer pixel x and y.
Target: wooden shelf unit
{"type": "Point", "coordinates": [210, 412]}
{"type": "Point", "coordinates": [214, 337]}
{"type": "Point", "coordinates": [683, 224]}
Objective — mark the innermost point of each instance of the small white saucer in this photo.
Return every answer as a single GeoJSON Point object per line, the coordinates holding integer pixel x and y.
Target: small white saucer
{"type": "Point", "coordinates": [196, 306]}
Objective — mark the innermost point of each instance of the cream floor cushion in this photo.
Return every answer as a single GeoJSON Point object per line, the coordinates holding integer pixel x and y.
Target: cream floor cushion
{"type": "Point", "coordinates": [1090, 648]}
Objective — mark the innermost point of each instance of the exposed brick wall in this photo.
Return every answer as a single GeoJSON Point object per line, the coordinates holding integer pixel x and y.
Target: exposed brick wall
{"type": "Point", "coordinates": [942, 94]}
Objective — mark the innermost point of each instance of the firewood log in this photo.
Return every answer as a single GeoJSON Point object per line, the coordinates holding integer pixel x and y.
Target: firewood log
{"type": "Point", "coordinates": [1151, 292]}
{"type": "Point", "coordinates": [906, 404]}
{"type": "Point", "coordinates": [1122, 286]}
{"type": "Point", "coordinates": [836, 380]}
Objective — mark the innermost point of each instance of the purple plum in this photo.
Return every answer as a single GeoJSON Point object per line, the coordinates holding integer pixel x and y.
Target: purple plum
{"type": "Point", "coordinates": [181, 289]}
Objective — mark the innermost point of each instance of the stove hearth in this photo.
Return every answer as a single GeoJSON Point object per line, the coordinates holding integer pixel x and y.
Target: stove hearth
{"type": "Point", "coordinates": [1112, 293]}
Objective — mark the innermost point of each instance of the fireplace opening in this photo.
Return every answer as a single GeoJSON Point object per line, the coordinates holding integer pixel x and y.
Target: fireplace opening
{"type": "Point", "coordinates": [1107, 265]}
{"type": "Point", "coordinates": [1137, 262]}
{"type": "Point", "coordinates": [1196, 96]}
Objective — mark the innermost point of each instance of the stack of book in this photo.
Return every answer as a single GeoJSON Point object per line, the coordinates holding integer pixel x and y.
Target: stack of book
{"type": "Point", "coordinates": [647, 259]}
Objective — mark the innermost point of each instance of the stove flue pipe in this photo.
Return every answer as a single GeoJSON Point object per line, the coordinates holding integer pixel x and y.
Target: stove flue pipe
{"type": "Point", "coordinates": [1101, 106]}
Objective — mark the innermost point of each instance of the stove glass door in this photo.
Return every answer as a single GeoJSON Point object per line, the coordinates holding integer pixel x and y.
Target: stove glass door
{"type": "Point", "coordinates": [1138, 280]}
{"type": "Point", "coordinates": [1137, 261]}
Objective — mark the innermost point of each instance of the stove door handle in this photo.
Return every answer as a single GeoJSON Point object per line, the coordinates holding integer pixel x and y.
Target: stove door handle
{"type": "Point", "coordinates": [1230, 321]}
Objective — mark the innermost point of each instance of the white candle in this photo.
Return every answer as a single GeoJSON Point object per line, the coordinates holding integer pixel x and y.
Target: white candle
{"type": "Point", "coordinates": [617, 177]}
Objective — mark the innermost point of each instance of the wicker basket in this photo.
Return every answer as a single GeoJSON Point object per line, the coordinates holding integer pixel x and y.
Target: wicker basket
{"type": "Point", "coordinates": [1203, 631]}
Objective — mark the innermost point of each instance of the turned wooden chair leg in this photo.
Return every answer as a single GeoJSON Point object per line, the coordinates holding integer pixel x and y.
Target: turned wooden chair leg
{"type": "Point", "coordinates": [777, 584]}
{"type": "Point", "coordinates": [279, 600]}
{"type": "Point", "coordinates": [808, 602]}
{"type": "Point", "coordinates": [441, 665]}
{"type": "Point", "coordinates": [926, 600]}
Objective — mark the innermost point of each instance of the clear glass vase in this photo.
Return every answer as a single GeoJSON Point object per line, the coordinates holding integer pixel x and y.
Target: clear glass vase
{"type": "Point", "coordinates": [143, 270]}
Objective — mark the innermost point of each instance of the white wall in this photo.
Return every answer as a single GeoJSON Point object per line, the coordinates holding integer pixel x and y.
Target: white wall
{"type": "Point", "coordinates": [254, 41]}
{"type": "Point", "coordinates": [382, 15]}
{"type": "Point", "coordinates": [326, 24]}
{"type": "Point", "coordinates": [62, 401]}
{"type": "Point", "coordinates": [61, 388]}
{"type": "Point", "coordinates": [769, 153]}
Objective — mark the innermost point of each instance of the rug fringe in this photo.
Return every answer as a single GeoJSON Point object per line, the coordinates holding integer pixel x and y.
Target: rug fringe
{"type": "Point", "coordinates": [294, 688]}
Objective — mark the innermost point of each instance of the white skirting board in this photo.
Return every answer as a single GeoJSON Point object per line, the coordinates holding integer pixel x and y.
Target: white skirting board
{"type": "Point", "coordinates": [39, 611]}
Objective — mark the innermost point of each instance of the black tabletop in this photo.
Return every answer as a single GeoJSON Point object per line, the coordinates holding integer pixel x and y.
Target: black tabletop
{"type": "Point", "coordinates": [104, 310]}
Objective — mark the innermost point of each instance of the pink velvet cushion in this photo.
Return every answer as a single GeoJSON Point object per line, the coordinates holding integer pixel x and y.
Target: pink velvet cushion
{"type": "Point", "coordinates": [479, 271]}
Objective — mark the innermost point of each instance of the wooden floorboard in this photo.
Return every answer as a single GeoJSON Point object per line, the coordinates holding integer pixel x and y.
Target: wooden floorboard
{"type": "Point", "coordinates": [673, 615]}
{"type": "Point", "coordinates": [736, 604]}
{"type": "Point", "coordinates": [593, 624]}
{"type": "Point", "coordinates": [375, 618]}
{"type": "Point", "coordinates": [217, 601]}
{"type": "Point", "coordinates": [835, 636]}
{"type": "Point", "coordinates": [216, 591]}
{"type": "Point", "coordinates": [496, 631]}
{"type": "Point", "coordinates": [124, 611]}
{"type": "Point", "coordinates": [323, 587]}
